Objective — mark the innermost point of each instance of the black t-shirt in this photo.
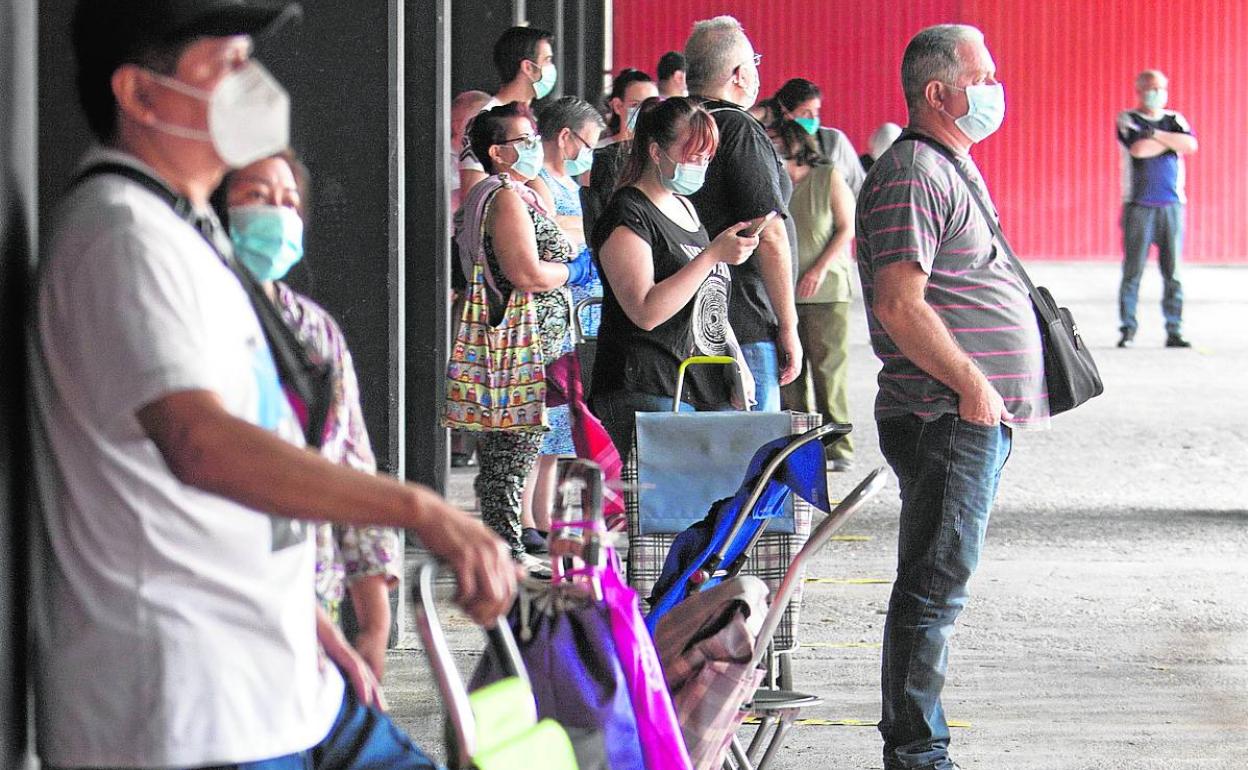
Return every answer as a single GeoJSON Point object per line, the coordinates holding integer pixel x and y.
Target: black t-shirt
{"type": "Point", "coordinates": [745, 180]}
{"type": "Point", "coordinates": [632, 359]}
{"type": "Point", "coordinates": [608, 164]}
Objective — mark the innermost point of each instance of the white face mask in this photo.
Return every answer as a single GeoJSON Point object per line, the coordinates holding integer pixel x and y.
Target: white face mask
{"type": "Point", "coordinates": [985, 110]}
{"type": "Point", "coordinates": [248, 114]}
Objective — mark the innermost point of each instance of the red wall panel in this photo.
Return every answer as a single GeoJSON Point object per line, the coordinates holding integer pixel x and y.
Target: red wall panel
{"type": "Point", "coordinates": [1068, 68]}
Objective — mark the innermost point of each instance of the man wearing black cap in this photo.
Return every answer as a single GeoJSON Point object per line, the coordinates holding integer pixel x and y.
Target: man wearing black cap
{"type": "Point", "coordinates": [174, 614]}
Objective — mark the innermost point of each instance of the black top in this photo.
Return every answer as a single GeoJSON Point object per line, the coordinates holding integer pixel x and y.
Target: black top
{"type": "Point", "coordinates": [608, 165]}
{"type": "Point", "coordinates": [745, 180]}
{"type": "Point", "coordinates": [632, 359]}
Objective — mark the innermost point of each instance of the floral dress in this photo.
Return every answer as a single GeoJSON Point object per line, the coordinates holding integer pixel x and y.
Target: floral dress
{"type": "Point", "coordinates": [506, 457]}
{"type": "Point", "coordinates": [344, 554]}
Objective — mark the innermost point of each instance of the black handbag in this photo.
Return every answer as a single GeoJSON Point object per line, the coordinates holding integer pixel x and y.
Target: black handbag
{"type": "Point", "coordinates": [1069, 371]}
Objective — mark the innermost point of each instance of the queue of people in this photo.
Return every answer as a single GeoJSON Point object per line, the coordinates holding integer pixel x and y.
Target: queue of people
{"type": "Point", "coordinates": [194, 543]}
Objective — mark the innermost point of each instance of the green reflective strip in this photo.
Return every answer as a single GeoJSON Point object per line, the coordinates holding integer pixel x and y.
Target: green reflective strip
{"type": "Point", "coordinates": [844, 722]}
{"type": "Point", "coordinates": [503, 711]}
{"type": "Point", "coordinates": [849, 581]}
{"type": "Point", "coordinates": [843, 645]}
{"type": "Point", "coordinates": [545, 745]}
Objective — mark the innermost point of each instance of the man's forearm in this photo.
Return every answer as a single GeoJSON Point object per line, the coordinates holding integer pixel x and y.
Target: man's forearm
{"type": "Point", "coordinates": [230, 457]}
{"type": "Point", "coordinates": [775, 264]}
{"type": "Point", "coordinates": [1178, 141]}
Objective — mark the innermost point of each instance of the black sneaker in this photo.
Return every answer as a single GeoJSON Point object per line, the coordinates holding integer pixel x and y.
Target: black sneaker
{"type": "Point", "coordinates": [1176, 341]}
{"type": "Point", "coordinates": [1127, 338]}
{"type": "Point", "coordinates": [533, 540]}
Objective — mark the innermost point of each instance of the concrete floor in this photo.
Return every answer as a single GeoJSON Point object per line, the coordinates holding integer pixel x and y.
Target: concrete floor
{"type": "Point", "coordinates": [1109, 621]}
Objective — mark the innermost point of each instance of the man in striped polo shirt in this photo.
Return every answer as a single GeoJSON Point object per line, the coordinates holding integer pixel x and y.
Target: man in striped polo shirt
{"type": "Point", "coordinates": [962, 367]}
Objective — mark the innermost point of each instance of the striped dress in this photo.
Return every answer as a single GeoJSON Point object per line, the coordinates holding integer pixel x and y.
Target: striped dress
{"type": "Point", "coordinates": [915, 207]}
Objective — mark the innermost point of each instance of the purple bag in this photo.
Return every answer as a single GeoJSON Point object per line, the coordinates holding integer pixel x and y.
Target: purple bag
{"type": "Point", "coordinates": [567, 646]}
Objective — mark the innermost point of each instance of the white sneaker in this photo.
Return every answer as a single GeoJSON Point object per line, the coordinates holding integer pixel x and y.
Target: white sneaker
{"type": "Point", "coordinates": [538, 568]}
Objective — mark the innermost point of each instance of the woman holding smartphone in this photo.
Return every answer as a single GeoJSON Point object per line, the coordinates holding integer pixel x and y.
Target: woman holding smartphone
{"type": "Point", "coordinates": [666, 284]}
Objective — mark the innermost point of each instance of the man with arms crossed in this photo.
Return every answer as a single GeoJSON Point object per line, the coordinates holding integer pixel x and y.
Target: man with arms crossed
{"type": "Point", "coordinates": [1153, 141]}
{"type": "Point", "coordinates": [174, 616]}
{"type": "Point", "coordinates": [962, 368]}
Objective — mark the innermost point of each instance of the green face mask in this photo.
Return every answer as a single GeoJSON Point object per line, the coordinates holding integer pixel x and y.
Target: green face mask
{"type": "Point", "coordinates": [809, 125]}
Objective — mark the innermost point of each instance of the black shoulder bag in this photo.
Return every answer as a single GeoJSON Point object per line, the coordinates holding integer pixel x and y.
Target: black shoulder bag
{"type": "Point", "coordinates": [302, 379]}
{"type": "Point", "coordinates": [1069, 370]}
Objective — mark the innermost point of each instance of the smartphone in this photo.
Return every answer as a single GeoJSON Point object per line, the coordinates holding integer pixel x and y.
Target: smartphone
{"type": "Point", "coordinates": [752, 232]}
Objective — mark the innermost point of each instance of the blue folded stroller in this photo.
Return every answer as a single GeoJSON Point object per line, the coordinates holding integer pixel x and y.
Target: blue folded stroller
{"type": "Point", "coordinates": [718, 546]}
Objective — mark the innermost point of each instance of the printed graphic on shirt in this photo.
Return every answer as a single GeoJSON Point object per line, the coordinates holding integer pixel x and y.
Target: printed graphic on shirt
{"type": "Point", "coordinates": [710, 310]}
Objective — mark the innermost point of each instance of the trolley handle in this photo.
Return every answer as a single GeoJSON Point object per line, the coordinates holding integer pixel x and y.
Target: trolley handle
{"type": "Point", "coordinates": [450, 684]}
{"type": "Point", "coordinates": [699, 361]}
{"type": "Point", "coordinates": [578, 327]}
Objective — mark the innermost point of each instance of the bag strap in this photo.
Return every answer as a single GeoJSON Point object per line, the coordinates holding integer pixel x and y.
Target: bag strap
{"type": "Point", "coordinates": [1041, 303]}
{"type": "Point", "coordinates": [311, 383]}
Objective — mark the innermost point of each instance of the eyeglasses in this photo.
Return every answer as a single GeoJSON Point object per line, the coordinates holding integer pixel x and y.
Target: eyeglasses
{"type": "Point", "coordinates": [578, 136]}
{"type": "Point", "coordinates": [758, 59]}
{"type": "Point", "coordinates": [528, 141]}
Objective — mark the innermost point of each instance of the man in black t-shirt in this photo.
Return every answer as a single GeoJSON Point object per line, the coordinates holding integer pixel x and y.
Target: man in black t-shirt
{"type": "Point", "coordinates": [744, 182]}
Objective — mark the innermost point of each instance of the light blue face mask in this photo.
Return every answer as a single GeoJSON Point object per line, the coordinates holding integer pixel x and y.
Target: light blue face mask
{"type": "Point", "coordinates": [809, 125]}
{"type": "Point", "coordinates": [543, 87]}
{"type": "Point", "coordinates": [268, 240]}
{"type": "Point", "coordinates": [529, 158]}
{"type": "Point", "coordinates": [583, 161]}
{"type": "Point", "coordinates": [686, 178]}
{"type": "Point", "coordinates": [1155, 98]}
{"type": "Point", "coordinates": [985, 110]}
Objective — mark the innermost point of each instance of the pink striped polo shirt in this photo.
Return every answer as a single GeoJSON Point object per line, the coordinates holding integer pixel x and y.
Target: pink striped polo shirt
{"type": "Point", "coordinates": [914, 206]}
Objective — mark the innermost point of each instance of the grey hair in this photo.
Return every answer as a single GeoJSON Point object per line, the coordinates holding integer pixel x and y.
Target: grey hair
{"type": "Point", "coordinates": [566, 112]}
{"type": "Point", "coordinates": [709, 52]}
{"type": "Point", "coordinates": [933, 55]}
{"type": "Point", "coordinates": [1148, 75]}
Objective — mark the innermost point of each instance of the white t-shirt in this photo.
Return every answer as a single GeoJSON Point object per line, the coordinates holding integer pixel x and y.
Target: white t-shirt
{"type": "Point", "coordinates": [174, 628]}
{"type": "Point", "coordinates": [467, 158]}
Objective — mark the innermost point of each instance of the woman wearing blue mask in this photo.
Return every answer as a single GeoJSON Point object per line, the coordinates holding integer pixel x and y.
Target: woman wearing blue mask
{"type": "Point", "coordinates": [628, 90]}
{"type": "Point", "coordinates": [262, 206]}
{"type": "Point", "coordinates": [666, 283]}
{"type": "Point", "coordinates": [570, 128]}
{"type": "Point", "coordinates": [524, 251]}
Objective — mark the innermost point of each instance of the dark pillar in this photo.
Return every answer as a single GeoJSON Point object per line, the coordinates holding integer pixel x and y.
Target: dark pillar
{"type": "Point", "coordinates": [339, 66]}
{"type": "Point", "coordinates": [425, 145]}
{"type": "Point", "coordinates": [18, 193]}
{"type": "Point", "coordinates": [474, 28]}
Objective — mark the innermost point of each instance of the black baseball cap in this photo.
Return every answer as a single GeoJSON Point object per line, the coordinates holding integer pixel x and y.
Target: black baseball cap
{"type": "Point", "coordinates": [108, 33]}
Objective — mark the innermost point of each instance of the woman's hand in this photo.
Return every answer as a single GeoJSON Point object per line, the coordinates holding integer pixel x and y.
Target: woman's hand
{"type": "Point", "coordinates": [810, 282]}
{"type": "Point", "coordinates": [732, 248]}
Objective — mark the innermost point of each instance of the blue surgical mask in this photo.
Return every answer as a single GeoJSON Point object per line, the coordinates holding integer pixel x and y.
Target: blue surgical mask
{"type": "Point", "coordinates": [985, 113]}
{"type": "Point", "coordinates": [686, 178]}
{"type": "Point", "coordinates": [546, 84]}
{"type": "Point", "coordinates": [268, 240]}
{"type": "Point", "coordinates": [583, 161]}
{"type": "Point", "coordinates": [529, 159]}
{"type": "Point", "coordinates": [809, 125]}
{"type": "Point", "coordinates": [1155, 99]}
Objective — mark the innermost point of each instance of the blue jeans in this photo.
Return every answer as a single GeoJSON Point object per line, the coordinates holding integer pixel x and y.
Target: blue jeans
{"type": "Point", "coordinates": [948, 471]}
{"type": "Point", "coordinates": [618, 412]}
{"type": "Point", "coordinates": [764, 365]}
{"type": "Point", "coordinates": [362, 738]}
{"type": "Point", "coordinates": [1142, 226]}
